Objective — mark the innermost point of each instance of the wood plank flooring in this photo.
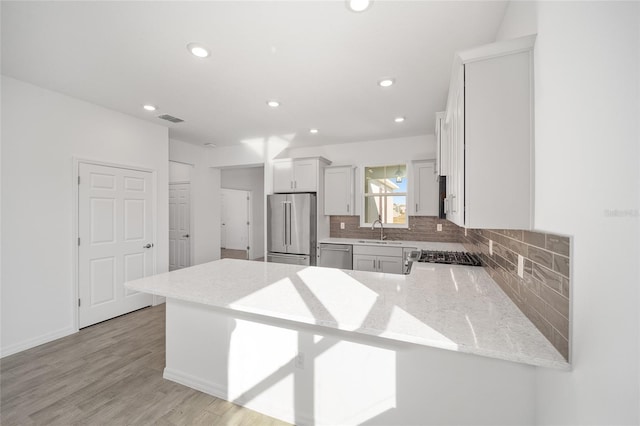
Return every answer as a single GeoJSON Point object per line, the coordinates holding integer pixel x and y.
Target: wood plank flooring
{"type": "Point", "coordinates": [109, 374]}
{"type": "Point", "coordinates": [233, 254]}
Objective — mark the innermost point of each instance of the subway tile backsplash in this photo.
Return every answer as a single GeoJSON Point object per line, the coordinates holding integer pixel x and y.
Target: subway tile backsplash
{"type": "Point", "coordinates": [421, 228]}
{"type": "Point", "coordinates": [543, 294]}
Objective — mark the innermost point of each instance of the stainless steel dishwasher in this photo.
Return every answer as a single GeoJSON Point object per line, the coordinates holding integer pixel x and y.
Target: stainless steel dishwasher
{"type": "Point", "coordinates": [336, 255]}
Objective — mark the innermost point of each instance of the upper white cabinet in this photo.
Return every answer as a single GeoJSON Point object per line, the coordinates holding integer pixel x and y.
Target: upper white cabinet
{"type": "Point", "coordinates": [298, 175]}
{"type": "Point", "coordinates": [488, 137]}
{"type": "Point", "coordinates": [441, 148]}
{"type": "Point", "coordinates": [425, 188]}
{"type": "Point", "coordinates": [339, 191]}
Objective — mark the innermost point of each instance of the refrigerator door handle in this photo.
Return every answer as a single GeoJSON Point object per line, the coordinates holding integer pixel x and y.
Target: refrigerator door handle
{"type": "Point", "coordinates": [289, 223]}
{"type": "Point", "coordinates": [284, 227]}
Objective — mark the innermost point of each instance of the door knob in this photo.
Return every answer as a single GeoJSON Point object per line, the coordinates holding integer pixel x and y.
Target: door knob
{"type": "Point", "coordinates": [149, 245]}
{"type": "Point", "coordinates": [185, 236]}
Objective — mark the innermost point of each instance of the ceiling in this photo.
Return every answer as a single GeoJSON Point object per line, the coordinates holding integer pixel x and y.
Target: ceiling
{"type": "Point", "coordinates": [319, 59]}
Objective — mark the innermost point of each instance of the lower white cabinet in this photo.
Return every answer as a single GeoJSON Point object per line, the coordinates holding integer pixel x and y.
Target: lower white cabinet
{"type": "Point", "coordinates": [378, 259]}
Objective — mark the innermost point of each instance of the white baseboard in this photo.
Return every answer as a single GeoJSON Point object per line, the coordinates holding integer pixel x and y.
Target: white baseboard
{"type": "Point", "coordinates": [196, 383]}
{"type": "Point", "coordinates": [218, 391]}
{"type": "Point", "coordinates": [36, 341]}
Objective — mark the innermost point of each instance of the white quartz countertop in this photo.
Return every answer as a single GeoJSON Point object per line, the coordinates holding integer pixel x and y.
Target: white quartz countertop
{"type": "Point", "coordinates": [452, 307]}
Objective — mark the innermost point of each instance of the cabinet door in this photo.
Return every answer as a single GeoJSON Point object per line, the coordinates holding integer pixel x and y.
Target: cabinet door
{"type": "Point", "coordinates": [389, 265]}
{"type": "Point", "coordinates": [425, 188]}
{"type": "Point", "coordinates": [455, 179]}
{"type": "Point", "coordinates": [305, 175]}
{"type": "Point", "coordinates": [498, 148]}
{"type": "Point", "coordinates": [364, 262]}
{"type": "Point", "coordinates": [282, 176]}
{"type": "Point", "coordinates": [338, 191]}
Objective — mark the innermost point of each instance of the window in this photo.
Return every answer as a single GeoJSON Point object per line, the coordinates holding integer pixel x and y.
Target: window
{"type": "Point", "coordinates": [385, 195]}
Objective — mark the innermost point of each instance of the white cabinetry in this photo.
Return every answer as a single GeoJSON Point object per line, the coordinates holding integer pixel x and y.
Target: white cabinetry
{"type": "Point", "coordinates": [441, 147]}
{"type": "Point", "coordinates": [425, 188]}
{"type": "Point", "coordinates": [297, 175]}
{"type": "Point", "coordinates": [488, 135]}
{"type": "Point", "coordinates": [339, 191]}
{"type": "Point", "coordinates": [377, 259]}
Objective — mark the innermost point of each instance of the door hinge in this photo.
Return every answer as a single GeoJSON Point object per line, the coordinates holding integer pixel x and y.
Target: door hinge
{"type": "Point", "coordinates": [247, 223]}
{"type": "Point", "coordinates": [78, 303]}
{"type": "Point", "coordinates": [78, 180]}
{"type": "Point", "coordinates": [248, 247]}
{"type": "Point", "coordinates": [78, 240]}
{"type": "Point", "coordinates": [248, 198]}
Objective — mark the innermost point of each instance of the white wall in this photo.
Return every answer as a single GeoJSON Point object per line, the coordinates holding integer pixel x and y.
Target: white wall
{"type": "Point", "coordinates": [42, 131]}
{"type": "Point", "coordinates": [250, 179]}
{"type": "Point", "coordinates": [587, 185]}
{"type": "Point", "coordinates": [385, 151]}
{"type": "Point", "coordinates": [205, 200]}
{"type": "Point", "coordinates": [179, 172]}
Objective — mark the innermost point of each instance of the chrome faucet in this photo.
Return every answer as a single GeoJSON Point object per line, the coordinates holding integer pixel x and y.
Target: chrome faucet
{"type": "Point", "coordinates": [373, 226]}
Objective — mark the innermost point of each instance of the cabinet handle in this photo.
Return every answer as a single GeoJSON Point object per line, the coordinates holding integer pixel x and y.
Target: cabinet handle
{"type": "Point", "coordinates": [416, 207]}
{"type": "Point", "coordinates": [374, 264]}
{"type": "Point", "coordinates": [291, 184]}
{"type": "Point", "coordinates": [347, 208]}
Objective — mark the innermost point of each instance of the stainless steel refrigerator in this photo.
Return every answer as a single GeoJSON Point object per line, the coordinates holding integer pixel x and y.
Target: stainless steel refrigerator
{"type": "Point", "coordinates": [291, 228]}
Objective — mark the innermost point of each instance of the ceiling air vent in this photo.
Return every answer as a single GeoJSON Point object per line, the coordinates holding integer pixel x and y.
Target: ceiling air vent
{"type": "Point", "coordinates": [170, 118]}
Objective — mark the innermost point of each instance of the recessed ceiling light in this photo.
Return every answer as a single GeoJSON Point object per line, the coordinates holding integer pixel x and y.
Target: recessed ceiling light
{"type": "Point", "coordinates": [386, 82]}
{"type": "Point", "coordinates": [359, 5]}
{"type": "Point", "coordinates": [273, 104]}
{"type": "Point", "coordinates": [197, 50]}
{"type": "Point", "coordinates": [149, 107]}
{"type": "Point", "coordinates": [398, 119]}
{"type": "Point", "coordinates": [314, 131]}
{"type": "Point", "coordinates": [210, 145]}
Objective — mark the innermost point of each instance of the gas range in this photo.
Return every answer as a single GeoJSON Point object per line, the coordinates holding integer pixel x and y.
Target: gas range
{"type": "Point", "coordinates": [446, 257]}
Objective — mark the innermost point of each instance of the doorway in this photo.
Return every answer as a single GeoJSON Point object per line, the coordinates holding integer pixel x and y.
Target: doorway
{"type": "Point", "coordinates": [116, 211]}
{"type": "Point", "coordinates": [235, 226]}
{"type": "Point", "coordinates": [179, 225]}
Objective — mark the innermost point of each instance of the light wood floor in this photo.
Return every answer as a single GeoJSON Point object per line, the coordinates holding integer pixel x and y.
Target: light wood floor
{"type": "Point", "coordinates": [108, 374]}
{"type": "Point", "coordinates": [233, 254]}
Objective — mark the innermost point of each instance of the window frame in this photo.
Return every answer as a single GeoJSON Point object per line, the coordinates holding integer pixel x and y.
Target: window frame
{"type": "Point", "coordinates": [362, 197]}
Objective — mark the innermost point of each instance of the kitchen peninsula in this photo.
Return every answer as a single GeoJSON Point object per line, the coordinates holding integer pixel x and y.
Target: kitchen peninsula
{"type": "Point", "coordinates": [313, 345]}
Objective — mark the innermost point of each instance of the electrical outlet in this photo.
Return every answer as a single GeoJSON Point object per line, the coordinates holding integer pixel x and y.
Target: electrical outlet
{"type": "Point", "coordinates": [520, 266]}
{"type": "Point", "coordinates": [439, 227]}
{"type": "Point", "coordinates": [490, 247]}
{"type": "Point", "coordinates": [299, 362]}
{"type": "Point", "coordinates": [341, 225]}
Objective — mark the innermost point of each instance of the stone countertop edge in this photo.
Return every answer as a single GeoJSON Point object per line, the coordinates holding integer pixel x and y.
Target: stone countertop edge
{"type": "Point", "coordinates": [171, 286]}
{"type": "Point", "coordinates": [423, 245]}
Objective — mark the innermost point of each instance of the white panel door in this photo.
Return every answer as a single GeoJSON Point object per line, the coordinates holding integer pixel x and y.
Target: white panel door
{"type": "Point", "coordinates": [115, 221]}
{"type": "Point", "coordinates": [179, 226]}
{"type": "Point", "coordinates": [235, 219]}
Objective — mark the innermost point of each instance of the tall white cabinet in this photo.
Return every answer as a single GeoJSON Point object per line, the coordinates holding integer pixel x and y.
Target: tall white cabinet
{"type": "Point", "coordinates": [339, 194]}
{"type": "Point", "coordinates": [487, 137]}
{"type": "Point", "coordinates": [425, 188]}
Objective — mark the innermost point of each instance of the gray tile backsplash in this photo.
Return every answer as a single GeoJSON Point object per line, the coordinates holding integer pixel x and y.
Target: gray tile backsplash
{"type": "Point", "coordinates": [421, 228]}
{"type": "Point", "coordinates": [543, 293]}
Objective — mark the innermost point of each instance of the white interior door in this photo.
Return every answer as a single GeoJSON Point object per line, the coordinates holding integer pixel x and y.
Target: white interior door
{"type": "Point", "coordinates": [115, 227]}
{"type": "Point", "coordinates": [179, 226]}
{"type": "Point", "coordinates": [235, 219]}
